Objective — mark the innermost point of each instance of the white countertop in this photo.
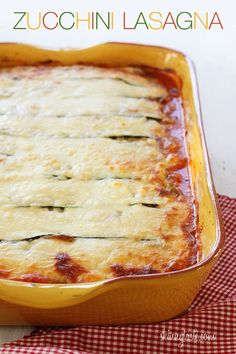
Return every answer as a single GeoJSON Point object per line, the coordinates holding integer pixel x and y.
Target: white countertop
{"type": "Point", "coordinates": [213, 53]}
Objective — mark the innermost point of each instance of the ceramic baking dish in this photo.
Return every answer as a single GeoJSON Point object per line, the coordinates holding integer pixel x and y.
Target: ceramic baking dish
{"type": "Point", "coordinates": [128, 299]}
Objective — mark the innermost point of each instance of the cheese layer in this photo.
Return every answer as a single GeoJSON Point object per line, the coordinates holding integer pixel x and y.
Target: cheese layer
{"type": "Point", "coordinates": [77, 193]}
{"type": "Point", "coordinates": [87, 260]}
{"type": "Point", "coordinates": [122, 221]}
{"type": "Point", "coordinates": [63, 105]}
{"type": "Point", "coordinates": [80, 127]}
{"type": "Point", "coordinates": [131, 75]}
{"type": "Point", "coordinates": [79, 88]}
{"type": "Point", "coordinates": [93, 158]}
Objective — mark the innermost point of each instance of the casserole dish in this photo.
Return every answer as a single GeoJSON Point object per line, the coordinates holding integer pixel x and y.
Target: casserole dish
{"type": "Point", "coordinates": [134, 298]}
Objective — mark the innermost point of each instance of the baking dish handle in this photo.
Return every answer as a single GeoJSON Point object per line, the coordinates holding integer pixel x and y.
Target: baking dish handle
{"type": "Point", "coordinates": [49, 296]}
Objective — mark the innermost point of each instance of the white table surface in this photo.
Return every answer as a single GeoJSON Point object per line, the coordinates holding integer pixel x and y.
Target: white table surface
{"type": "Point", "coordinates": [213, 53]}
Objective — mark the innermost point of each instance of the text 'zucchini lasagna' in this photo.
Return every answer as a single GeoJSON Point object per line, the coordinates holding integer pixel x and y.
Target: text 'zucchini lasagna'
{"type": "Point", "coordinates": [94, 178]}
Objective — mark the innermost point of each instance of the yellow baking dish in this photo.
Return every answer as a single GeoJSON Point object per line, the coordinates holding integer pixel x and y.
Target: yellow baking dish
{"type": "Point", "coordinates": [128, 299]}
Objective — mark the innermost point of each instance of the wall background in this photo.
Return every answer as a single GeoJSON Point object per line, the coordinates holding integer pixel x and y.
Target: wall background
{"type": "Point", "coordinates": [213, 52]}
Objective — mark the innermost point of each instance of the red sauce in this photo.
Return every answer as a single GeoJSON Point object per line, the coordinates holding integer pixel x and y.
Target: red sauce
{"type": "Point", "coordinates": [177, 176]}
{"type": "Point", "coordinates": [33, 278]}
{"type": "Point", "coordinates": [179, 164]}
{"type": "Point", "coordinates": [68, 267]}
{"type": "Point", "coordinates": [120, 270]}
{"type": "Point", "coordinates": [4, 273]}
{"type": "Point", "coordinates": [64, 238]}
{"type": "Point", "coordinates": [169, 145]}
{"type": "Point", "coordinates": [166, 78]}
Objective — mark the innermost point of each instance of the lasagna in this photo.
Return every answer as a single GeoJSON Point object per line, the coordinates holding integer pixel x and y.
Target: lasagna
{"type": "Point", "coordinates": [94, 174]}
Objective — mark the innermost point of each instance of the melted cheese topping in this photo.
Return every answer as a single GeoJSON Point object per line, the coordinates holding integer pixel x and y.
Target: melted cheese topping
{"type": "Point", "coordinates": [81, 106]}
{"type": "Point", "coordinates": [90, 176]}
{"type": "Point", "coordinates": [131, 75]}
{"type": "Point", "coordinates": [93, 158]}
{"type": "Point", "coordinates": [90, 259]}
{"type": "Point", "coordinates": [28, 191]}
{"type": "Point", "coordinates": [80, 88]}
{"type": "Point", "coordinates": [80, 127]}
{"type": "Point", "coordinates": [123, 221]}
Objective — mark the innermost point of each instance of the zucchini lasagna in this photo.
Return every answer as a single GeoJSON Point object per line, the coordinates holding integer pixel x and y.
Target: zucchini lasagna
{"type": "Point", "coordinates": [94, 174]}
